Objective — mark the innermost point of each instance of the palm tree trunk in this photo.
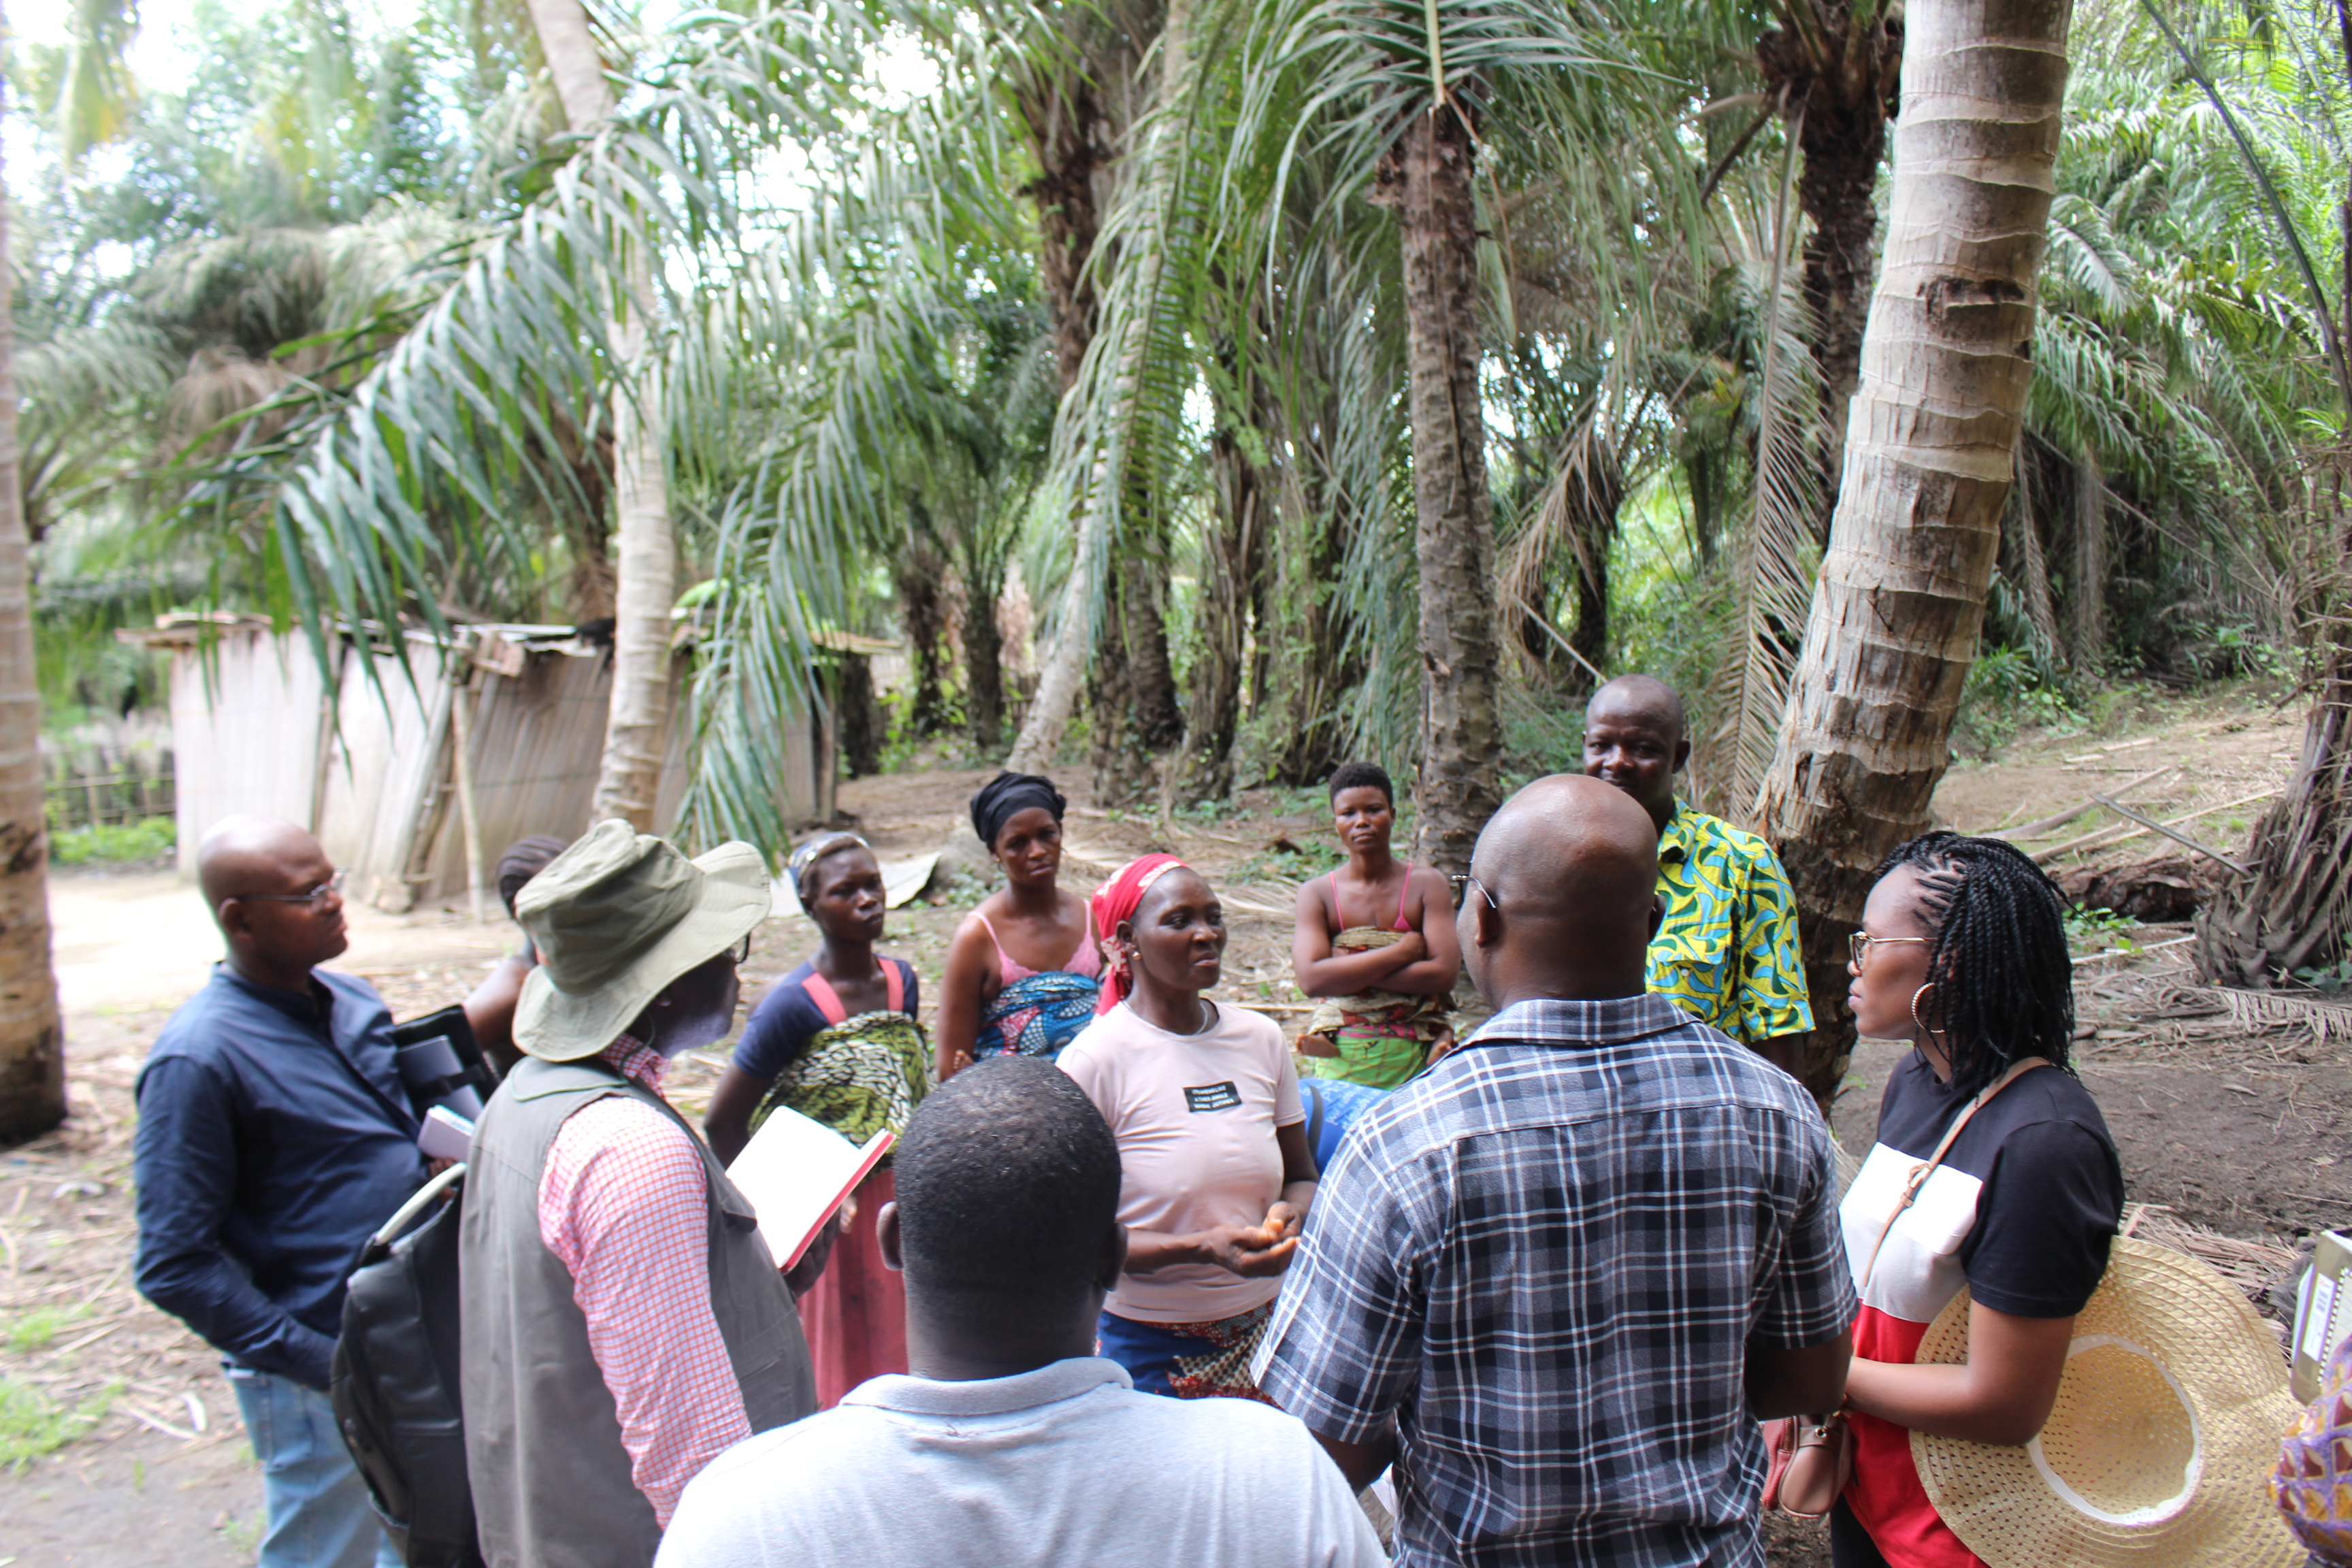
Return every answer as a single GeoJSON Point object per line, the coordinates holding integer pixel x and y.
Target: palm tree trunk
{"type": "Point", "coordinates": [983, 661]}
{"type": "Point", "coordinates": [1069, 128]}
{"type": "Point", "coordinates": [1946, 365]}
{"type": "Point", "coordinates": [637, 729]}
{"type": "Point", "coordinates": [1229, 550]}
{"type": "Point", "coordinates": [920, 570]}
{"type": "Point", "coordinates": [2088, 590]}
{"type": "Point", "coordinates": [2295, 911]}
{"type": "Point", "coordinates": [1460, 784]}
{"type": "Point", "coordinates": [32, 1044]}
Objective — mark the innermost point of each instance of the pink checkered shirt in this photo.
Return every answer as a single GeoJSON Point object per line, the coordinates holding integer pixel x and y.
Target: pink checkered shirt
{"type": "Point", "coordinates": [625, 1203]}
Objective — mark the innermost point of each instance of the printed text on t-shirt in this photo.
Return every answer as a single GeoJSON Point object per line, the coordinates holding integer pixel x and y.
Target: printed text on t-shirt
{"type": "Point", "coordinates": [1213, 1097]}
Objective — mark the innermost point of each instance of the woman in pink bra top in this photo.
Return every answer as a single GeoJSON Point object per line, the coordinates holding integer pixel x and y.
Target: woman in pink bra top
{"type": "Point", "coordinates": [1023, 969]}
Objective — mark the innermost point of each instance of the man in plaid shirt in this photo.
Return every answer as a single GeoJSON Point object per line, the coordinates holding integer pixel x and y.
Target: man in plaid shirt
{"type": "Point", "coordinates": [1558, 1279]}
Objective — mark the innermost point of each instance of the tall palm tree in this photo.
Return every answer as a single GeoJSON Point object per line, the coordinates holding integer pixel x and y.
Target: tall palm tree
{"type": "Point", "coordinates": [1946, 369]}
{"type": "Point", "coordinates": [2289, 922]}
{"type": "Point", "coordinates": [636, 729]}
{"type": "Point", "coordinates": [1422, 104]}
{"type": "Point", "coordinates": [31, 1041]}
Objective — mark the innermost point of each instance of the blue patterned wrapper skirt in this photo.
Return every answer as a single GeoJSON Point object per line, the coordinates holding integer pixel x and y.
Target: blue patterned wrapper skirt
{"type": "Point", "coordinates": [1188, 1361]}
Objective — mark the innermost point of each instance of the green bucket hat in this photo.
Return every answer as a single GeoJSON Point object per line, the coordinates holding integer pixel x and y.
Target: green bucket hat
{"type": "Point", "coordinates": [616, 917]}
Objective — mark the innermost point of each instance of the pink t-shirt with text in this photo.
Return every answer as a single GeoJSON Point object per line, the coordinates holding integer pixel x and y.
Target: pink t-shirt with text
{"type": "Point", "coordinates": [1194, 1116]}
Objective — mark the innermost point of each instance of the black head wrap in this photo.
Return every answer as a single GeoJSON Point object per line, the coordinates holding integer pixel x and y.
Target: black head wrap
{"type": "Point", "coordinates": [803, 866]}
{"type": "Point", "coordinates": [526, 859]}
{"type": "Point", "coordinates": [1005, 793]}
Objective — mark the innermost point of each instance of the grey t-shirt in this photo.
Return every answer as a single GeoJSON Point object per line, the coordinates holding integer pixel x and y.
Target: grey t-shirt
{"type": "Point", "coordinates": [1065, 1464]}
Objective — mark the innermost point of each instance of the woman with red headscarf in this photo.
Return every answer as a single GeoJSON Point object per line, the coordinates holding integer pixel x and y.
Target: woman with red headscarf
{"type": "Point", "coordinates": [1215, 1171]}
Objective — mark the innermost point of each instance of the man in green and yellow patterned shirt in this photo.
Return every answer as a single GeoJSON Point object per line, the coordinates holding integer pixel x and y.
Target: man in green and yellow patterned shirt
{"type": "Point", "coordinates": [1726, 953]}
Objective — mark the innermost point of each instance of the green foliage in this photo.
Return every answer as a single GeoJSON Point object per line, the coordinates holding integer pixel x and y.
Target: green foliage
{"type": "Point", "coordinates": [2098, 928]}
{"type": "Point", "coordinates": [33, 1424]}
{"type": "Point", "coordinates": [2005, 693]}
{"type": "Point", "coordinates": [2333, 980]}
{"type": "Point", "coordinates": [1294, 864]}
{"type": "Point", "coordinates": [109, 843]}
{"type": "Point", "coordinates": [33, 1330]}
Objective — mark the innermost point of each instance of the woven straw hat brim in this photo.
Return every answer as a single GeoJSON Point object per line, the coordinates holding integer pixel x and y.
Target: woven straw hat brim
{"type": "Point", "coordinates": [560, 1025]}
{"type": "Point", "coordinates": [2120, 1436]}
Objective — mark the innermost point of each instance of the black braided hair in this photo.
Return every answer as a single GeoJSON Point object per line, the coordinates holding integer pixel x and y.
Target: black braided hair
{"type": "Point", "coordinates": [1361, 775]}
{"type": "Point", "coordinates": [2004, 981]}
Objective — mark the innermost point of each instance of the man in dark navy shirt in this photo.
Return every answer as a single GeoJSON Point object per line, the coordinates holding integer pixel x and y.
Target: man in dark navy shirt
{"type": "Point", "coordinates": [274, 1136]}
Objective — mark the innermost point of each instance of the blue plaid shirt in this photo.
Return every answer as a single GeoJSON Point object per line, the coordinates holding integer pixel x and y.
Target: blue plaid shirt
{"type": "Point", "coordinates": [1546, 1258]}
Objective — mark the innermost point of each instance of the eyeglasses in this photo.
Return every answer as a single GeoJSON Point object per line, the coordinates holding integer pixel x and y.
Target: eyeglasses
{"type": "Point", "coordinates": [1861, 941]}
{"type": "Point", "coordinates": [314, 897]}
{"type": "Point", "coordinates": [741, 952]}
{"type": "Point", "coordinates": [1460, 885]}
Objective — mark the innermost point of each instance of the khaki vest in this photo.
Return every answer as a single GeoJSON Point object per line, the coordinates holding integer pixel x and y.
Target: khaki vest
{"type": "Point", "coordinates": [552, 1487]}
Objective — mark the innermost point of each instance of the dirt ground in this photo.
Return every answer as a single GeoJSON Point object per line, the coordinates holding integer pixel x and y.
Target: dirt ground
{"type": "Point", "coordinates": [2235, 1124]}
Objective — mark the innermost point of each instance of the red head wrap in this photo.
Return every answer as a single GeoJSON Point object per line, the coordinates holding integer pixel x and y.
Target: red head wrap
{"type": "Point", "coordinates": [1115, 903]}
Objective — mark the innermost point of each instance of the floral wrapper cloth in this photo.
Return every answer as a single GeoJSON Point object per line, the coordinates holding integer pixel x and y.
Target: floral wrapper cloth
{"type": "Point", "coordinates": [1376, 1037]}
{"type": "Point", "coordinates": [1037, 1014]}
{"type": "Point", "coordinates": [1188, 1361]}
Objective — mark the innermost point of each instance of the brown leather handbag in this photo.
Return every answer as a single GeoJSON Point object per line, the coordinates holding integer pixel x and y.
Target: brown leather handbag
{"type": "Point", "coordinates": [1811, 1461]}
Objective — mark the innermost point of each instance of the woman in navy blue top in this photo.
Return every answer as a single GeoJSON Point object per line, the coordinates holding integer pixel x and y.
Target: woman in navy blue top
{"type": "Point", "coordinates": [837, 1041]}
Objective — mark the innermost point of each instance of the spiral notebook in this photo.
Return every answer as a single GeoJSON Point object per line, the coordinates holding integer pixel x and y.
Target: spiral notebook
{"type": "Point", "coordinates": [797, 1172]}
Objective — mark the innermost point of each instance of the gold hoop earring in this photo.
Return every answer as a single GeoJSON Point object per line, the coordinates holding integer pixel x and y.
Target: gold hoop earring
{"type": "Point", "coordinates": [1922, 1023]}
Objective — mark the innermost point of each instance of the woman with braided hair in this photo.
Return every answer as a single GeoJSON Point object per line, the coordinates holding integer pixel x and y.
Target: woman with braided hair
{"type": "Point", "coordinates": [1962, 951]}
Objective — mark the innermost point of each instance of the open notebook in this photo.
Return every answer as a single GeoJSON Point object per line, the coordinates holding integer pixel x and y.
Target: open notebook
{"type": "Point", "coordinates": [796, 1173]}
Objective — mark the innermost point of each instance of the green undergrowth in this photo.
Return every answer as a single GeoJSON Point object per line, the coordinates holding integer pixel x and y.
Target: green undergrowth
{"type": "Point", "coordinates": [33, 1424]}
{"type": "Point", "coordinates": [150, 839]}
{"type": "Point", "coordinates": [36, 1329]}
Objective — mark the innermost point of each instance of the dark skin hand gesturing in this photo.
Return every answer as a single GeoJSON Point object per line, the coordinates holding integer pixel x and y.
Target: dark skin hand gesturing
{"type": "Point", "coordinates": [1040, 925]}
{"type": "Point", "coordinates": [1176, 949]}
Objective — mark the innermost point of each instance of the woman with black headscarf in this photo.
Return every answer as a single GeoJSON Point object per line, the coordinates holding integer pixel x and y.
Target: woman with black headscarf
{"type": "Point", "coordinates": [1023, 969]}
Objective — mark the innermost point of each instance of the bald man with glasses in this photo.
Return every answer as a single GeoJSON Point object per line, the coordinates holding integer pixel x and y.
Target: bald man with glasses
{"type": "Point", "coordinates": [274, 1135]}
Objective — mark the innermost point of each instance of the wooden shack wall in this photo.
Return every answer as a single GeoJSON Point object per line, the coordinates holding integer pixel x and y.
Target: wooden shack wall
{"type": "Point", "coordinates": [247, 716]}
{"type": "Point", "coordinates": [384, 798]}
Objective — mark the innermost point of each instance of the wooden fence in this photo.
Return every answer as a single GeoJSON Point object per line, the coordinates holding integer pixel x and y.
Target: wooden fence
{"type": "Point", "coordinates": [106, 777]}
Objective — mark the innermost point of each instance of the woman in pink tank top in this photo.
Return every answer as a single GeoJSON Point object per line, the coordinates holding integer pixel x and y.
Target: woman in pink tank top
{"type": "Point", "coordinates": [1023, 969]}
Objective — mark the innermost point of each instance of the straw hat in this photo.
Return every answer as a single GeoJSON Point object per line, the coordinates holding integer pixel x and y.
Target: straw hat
{"type": "Point", "coordinates": [616, 917]}
{"type": "Point", "coordinates": [2159, 1448]}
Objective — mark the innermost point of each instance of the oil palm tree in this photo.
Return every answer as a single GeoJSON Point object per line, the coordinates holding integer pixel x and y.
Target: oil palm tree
{"type": "Point", "coordinates": [605, 343]}
{"type": "Point", "coordinates": [31, 1041]}
{"type": "Point", "coordinates": [1945, 371]}
{"type": "Point", "coordinates": [637, 728]}
{"type": "Point", "coordinates": [1389, 105]}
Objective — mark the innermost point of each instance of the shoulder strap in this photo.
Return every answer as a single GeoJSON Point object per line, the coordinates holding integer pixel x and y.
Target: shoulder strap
{"type": "Point", "coordinates": [828, 1001]}
{"type": "Point", "coordinates": [1919, 1175]}
{"type": "Point", "coordinates": [893, 981]}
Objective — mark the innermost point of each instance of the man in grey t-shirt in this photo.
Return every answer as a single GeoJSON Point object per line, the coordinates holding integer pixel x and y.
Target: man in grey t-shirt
{"type": "Point", "coordinates": [1010, 1441]}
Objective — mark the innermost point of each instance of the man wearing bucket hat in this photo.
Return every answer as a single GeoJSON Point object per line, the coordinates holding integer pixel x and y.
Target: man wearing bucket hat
{"type": "Point", "coordinates": [623, 1322]}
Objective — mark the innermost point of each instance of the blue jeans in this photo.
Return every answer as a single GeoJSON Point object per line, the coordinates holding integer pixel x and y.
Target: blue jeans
{"type": "Point", "coordinates": [318, 1512]}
